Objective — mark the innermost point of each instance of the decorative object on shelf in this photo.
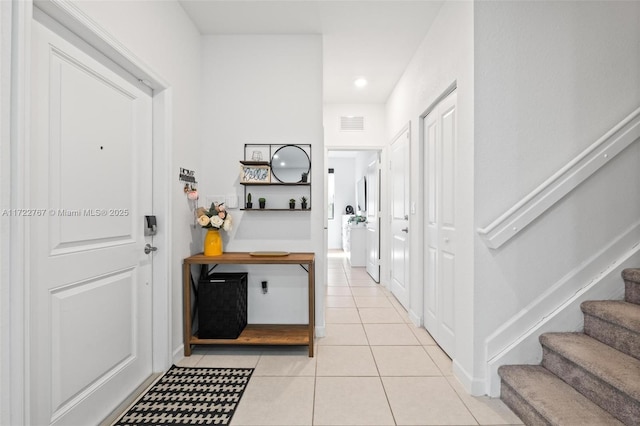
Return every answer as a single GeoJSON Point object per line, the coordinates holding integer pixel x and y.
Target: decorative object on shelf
{"type": "Point", "coordinates": [289, 163]}
{"type": "Point", "coordinates": [212, 243]}
{"type": "Point", "coordinates": [292, 203]}
{"type": "Point", "coordinates": [269, 253]}
{"type": "Point", "coordinates": [349, 210]}
{"type": "Point", "coordinates": [249, 203]}
{"type": "Point", "coordinates": [255, 173]}
{"type": "Point", "coordinates": [357, 219]}
{"type": "Point", "coordinates": [304, 176]}
{"type": "Point", "coordinates": [192, 194]}
{"type": "Point", "coordinates": [262, 202]}
{"type": "Point", "coordinates": [256, 156]}
{"type": "Point", "coordinates": [213, 220]}
{"type": "Point", "coordinates": [303, 203]}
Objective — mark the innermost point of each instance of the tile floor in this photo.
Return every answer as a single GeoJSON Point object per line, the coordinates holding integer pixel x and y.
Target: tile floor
{"type": "Point", "coordinates": [373, 368]}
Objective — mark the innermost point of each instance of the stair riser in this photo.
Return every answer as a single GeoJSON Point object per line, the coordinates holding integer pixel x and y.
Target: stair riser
{"type": "Point", "coordinates": [619, 404]}
{"type": "Point", "coordinates": [521, 407]}
{"type": "Point", "coordinates": [617, 337]}
{"type": "Point", "coordinates": [632, 292]}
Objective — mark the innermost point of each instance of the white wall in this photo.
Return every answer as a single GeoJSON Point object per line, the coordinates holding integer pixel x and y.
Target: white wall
{"type": "Point", "coordinates": [266, 89]}
{"type": "Point", "coordinates": [175, 55]}
{"type": "Point", "coordinates": [551, 78]}
{"type": "Point", "coordinates": [374, 125]}
{"type": "Point", "coordinates": [345, 194]}
{"type": "Point", "coordinates": [444, 57]}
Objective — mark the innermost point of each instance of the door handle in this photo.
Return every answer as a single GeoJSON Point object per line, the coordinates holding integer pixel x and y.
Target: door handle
{"type": "Point", "coordinates": [149, 248]}
{"type": "Point", "coordinates": [405, 230]}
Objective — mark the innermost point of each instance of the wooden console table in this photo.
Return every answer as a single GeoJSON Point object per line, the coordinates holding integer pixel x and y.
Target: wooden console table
{"type": "Point", "coordinates": [253, 334]}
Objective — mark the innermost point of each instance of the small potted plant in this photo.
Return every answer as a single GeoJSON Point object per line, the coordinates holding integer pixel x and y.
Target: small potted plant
{"type": "Point", "coordinates": [304, 177]}
{"type": "Point", "coordinates": [303, 202]}
{"type": "Point", "coordinates": [263, 202]}
{"type": "Point", "coordinates": [249, 203]}
{"type": "Point", "coordinates": [292, 203]}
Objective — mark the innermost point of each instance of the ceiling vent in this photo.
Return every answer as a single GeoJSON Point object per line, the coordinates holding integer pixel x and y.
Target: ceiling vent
{"type": "Point", "coordinates": [351, 124]}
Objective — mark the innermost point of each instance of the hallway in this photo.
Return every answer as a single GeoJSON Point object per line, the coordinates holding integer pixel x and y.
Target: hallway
{"type": "Point", "coordinates": [372, 368]}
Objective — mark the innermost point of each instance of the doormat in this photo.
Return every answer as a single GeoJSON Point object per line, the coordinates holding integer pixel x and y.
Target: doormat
{"type": "Point", "coordinates": [190, 396]}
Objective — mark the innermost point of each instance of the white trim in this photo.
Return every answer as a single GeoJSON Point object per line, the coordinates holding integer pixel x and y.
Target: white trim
{"type": "Point", "coordinates": [415, 318]}
{"type": "Point", "coordinates": [558, 309]}
{"type": "Point", "coordinates": [75, 20]}
{"type": "Point", "coordinates": [473, 386]}
{"type": "Point", "coordinates": [162, 265]}
{"type": "Point", "coordinates": [70, 16]}
{"type": "Point", "coordinates": [562, 182]}
{"type": "Point", "coordinates": [178, 354]}
{"type": "Point", "coordinates": [19, 182]}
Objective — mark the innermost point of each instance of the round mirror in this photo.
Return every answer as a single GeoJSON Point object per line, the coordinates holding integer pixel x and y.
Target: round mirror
{"type": "Point", "coordinates": [290, 164]}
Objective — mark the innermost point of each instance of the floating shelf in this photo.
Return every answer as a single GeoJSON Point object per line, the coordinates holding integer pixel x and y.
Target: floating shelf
{"type": "Point", "coordinates": [276, 210]}
{"type": "Point", "coordinates": [275, 183]}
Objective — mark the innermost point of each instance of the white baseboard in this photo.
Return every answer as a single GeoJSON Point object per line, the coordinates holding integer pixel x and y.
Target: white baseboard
{"type": "Point", "coordinates": [473, 386]}
{"type": "Point", "coordinates": [415, 318]}
{"type": "Point", "coordinates": [178, 354]}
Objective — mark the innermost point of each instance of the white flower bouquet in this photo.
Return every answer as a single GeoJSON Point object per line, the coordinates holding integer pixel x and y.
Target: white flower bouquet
{"type": "Point", "coordinates": [216, 217]}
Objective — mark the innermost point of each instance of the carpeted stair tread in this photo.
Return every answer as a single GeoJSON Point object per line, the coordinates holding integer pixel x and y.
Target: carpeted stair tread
{"type": "Point", "coordinates": [615, 368]}
{"type": "Point", "coordinates": [631, 274]}
{"type": "Point", "coordinates": [631, 279]}
{"type": "Point", "coordinates": [552, 399]}
{"type": "Point", "coordinates": [617, 312]}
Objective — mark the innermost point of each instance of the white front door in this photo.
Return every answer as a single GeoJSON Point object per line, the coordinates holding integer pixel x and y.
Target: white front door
{"type": "Point", "coordinates": [90, 280]}
{"type": "Point", "coordinates": [400, 173]}
{"type": "Point", "coordinates": [373, 229]}
{"type": "Point", "coordinates": [440, 137]}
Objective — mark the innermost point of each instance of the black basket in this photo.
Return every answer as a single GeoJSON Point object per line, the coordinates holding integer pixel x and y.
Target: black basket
{"type": "Point", "coordinates": [222, 305]}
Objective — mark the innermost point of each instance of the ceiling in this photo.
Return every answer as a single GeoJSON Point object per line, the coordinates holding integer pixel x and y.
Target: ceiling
{"type": "Point", "coordinates": [374, 39]}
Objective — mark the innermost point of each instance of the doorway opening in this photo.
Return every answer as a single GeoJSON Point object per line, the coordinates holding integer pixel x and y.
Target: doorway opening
{"type": "Point", "coordinates": [354, 182]}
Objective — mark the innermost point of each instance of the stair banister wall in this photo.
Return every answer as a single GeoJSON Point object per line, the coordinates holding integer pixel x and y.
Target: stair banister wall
{"type": "Point", "coordinates": [517, 338]}
{"type": "Point", "coordinates": [553, 81]}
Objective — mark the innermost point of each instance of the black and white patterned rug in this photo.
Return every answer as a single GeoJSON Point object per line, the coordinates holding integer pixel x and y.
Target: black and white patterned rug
{"type": "Point", "coordinates": [190, 396]}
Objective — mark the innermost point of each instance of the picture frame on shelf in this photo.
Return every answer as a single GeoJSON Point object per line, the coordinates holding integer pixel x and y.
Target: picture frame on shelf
{"type": "Point", "coordinates": [257, 153]}
{"type": "Point", "coordinates": [255, 174]}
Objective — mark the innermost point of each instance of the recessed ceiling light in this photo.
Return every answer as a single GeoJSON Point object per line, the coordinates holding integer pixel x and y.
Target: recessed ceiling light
{"type": "Point", "coordinates": [360, 82]}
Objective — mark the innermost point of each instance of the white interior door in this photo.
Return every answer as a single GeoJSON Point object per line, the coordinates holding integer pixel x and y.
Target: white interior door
{"type": "Point", "coordinates": [400, 174]}
{"type": "Point", "coordinates": [373, 228]}
{"type": "Point", "coordinates": [440, 139]}
{"type": "Point", "coordinates": [90, 280]}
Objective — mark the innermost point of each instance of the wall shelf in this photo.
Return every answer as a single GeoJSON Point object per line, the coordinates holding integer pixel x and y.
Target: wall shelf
{"type": "Point", "coordinates": [275, 210]}
{"type": "Point", "coordinates": [275, 183]}
{"type": "Point", "coordinates": [257, 153]}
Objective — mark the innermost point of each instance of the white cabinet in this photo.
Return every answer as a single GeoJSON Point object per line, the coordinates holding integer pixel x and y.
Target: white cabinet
{"type": "Point", "coordinates": [354, 241]}
{"type": "Point", "coordinates": [357, 255]}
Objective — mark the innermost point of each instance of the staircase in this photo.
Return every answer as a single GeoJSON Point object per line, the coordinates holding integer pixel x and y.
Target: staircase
{"type": "Point", "coordinates": [590, 378]}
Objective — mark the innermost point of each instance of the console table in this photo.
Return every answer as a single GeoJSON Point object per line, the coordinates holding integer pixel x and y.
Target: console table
{"type": "Point", "coordinates": [253, 334]}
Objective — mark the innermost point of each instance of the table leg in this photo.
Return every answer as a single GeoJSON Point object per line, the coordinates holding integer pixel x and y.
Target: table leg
{"type": "Point", "coordinates": [186, 296]}
{"type": "Point", "coordinates": [312, 306]}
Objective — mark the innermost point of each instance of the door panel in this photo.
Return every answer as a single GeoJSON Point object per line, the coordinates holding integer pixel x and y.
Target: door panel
{"type": "Point", "coordinates": [440, 140]}
{"type": "Point", "coordinates": [400, 173]}
{"type": "Point", "coordinates": [373, 230]}
{"type": "Point", "coordinates": [90, 285]}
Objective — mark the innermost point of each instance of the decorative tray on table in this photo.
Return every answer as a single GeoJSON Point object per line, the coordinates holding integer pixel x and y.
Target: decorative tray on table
{"type": "Point", "coordinates": [269, 253]}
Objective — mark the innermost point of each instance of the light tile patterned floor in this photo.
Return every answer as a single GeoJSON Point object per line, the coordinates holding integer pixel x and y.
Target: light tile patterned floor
{"type": "Point", "coordinates": [373, 368]}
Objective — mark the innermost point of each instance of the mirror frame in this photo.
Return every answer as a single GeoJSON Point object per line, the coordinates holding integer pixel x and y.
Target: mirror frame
{"type": "Point", "coordinates": [273, 172]}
